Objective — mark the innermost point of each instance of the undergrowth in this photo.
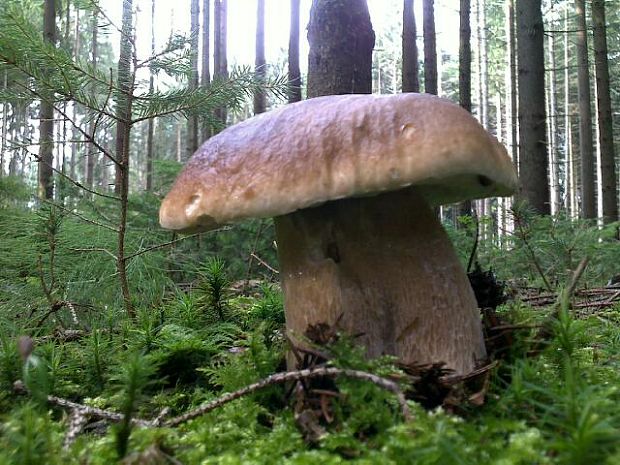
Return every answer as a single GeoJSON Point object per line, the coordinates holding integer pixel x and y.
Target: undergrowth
{"type": "Point", "coordinates": [209, 321]}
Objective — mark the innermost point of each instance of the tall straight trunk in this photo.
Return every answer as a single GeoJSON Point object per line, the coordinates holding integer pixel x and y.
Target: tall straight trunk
{"type": "Point", "coordinates": [569, 187]}
{"type": "Point", "coordinates": [341, 42]}
{"type": "Point", "coordinates": [294, 74]}
{"type": "Point", "coordinates": [604, 113]}
{"type": "Point", "coordinates": [220, 59]}
{"type": "Point", "coordinates": [92, 152]}
{"type": "Point", "coordinates": [151, 122]}
{"type": "Point", "coordinates": [464, 208]}
{"type": "Point", "coordinates": [75, 134]}
{"type": "Point", "coordinates": [411, 81]}
{"type": "Point", "coordinates": [46, 127]}
{"type": "Point", "coordinates": [192, 122]}
{"type": "Point", "coordinates": [124, 97]}
{"type": "Point", "coordinates": [260, 99]}
{"type": "Point", "coordinates": [430, 47]}
{"type": "Point", "coordinates": [532, 128]}
{"type": "Point", "coordinates": [5, 122]}
{"type": "Point", "coordinates": [511, 84]}
{"type": "Point", "coordinates": [484, 66]}
{"type": "Point", "coordinates": [205, 78]}
{"type": "Point", "coordinates": [588, 198]}
{"type": "Point", "coordinates": [554, 166]}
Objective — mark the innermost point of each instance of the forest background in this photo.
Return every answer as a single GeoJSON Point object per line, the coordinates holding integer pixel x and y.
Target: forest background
{"type": "Point", "coordinates": [105, 319]}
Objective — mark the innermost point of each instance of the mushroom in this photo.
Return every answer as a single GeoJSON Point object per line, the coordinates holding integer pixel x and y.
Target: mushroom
{"type": "Point", "coordinates": [352, 181]}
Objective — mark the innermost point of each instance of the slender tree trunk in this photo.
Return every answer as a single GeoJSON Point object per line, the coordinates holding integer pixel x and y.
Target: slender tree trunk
{"type": "Point", "coordinates": [532, 129]}
{"type": "Point", "coordinates": [465, 75]}
{"type": "Point", "coordinates": [605, 121]}
{"type": "Point", "coordinates": [554, 166]}
{"type": "Point", "coordinates": [192, 123]}
{"type": "Point", "coordinates": [341, 42]}
{"type": "Point", "coordinates": [92, 152]}
{"type": "Point", "coordinates": [5, 122]}
{"type": "Point", "coordinates": [511, 84]}
{"type": "Point", "coordinates": [294, 74]}
{"type": "Point", "coordinates": [123, 129]}
{"type": "Point", "coordinates": [75, 134]}
{"type": "Point", "coordinates": [46, 127]}
{"type": "Point", "coordinates": [569, 187]}
{"type": "Point", "coordinates": [260, 99]}
{"type": "Point", "coordinates": [206, 57]}
{"type": "Point", "coordinates": [220, 53]}
{"type": "Point", "coordinates": [588, 198]}
{"type": "Point", "coordinates": [430, 47]}
{"type": "Point", "coordinates": [151, 122]}
{"type": "Point", "coordinates": [411, 81]}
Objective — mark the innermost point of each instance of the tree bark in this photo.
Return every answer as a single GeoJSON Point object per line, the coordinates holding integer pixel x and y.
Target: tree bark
{"type": "Point", "coordinates": [604, 111]}
{"type": "Point", "coordinates": [554, 166]}
{"type": "Point", "coordinates": [220, 58]}
{"type": "Point", "coordinates": [92, 151]}
{"type": "Point", "coordinates": [411, 81]}
{"type": "Point", "coordinates": [341, 42]}
{"type": "Point", "coordinates": [464, 208]}
{"type": "Point", "coordinates": [532, 129]}
{"type": "Point", "coordinates": [125, 84]}
{"type": "Point", "coordinates": [206, 58]}
{"type": "Point", "coordinates": [46, 127]}
{"type": "Point", "coordinates": [430, 47]}
{"type": "Point", "coordinates": [260, 99]}
{"type": "Point", "coordinates": [511, 83]}
{"type": "Point", "coordinates": [192, 123]}
{"type": "Point", "coordinates": [151, 121]}
{"type": "Point", "coordinates": [294, 74]}
{"type": "Point", "coordinates": [588, 198]}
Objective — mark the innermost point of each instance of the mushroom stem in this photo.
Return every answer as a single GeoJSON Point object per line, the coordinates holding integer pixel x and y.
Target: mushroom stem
{"type": "Point", "coordinates": [382, 267]}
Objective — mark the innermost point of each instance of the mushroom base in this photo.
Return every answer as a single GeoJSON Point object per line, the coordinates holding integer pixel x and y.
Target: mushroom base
{"type": "Point", "coordinates": [384, 268]}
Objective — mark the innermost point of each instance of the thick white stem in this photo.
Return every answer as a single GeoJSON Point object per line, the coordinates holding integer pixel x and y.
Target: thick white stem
{"type": "Point", "coordinates": [382, 267]}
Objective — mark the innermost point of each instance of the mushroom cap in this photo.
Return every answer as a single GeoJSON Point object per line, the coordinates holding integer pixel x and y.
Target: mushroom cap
{"type": "Point", "coordinates": [332, 147]}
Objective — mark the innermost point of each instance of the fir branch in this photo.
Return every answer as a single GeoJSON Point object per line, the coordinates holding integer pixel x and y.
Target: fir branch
{"type": "Point", "coordinates": [83, 218]}
{"type": "Point", "coordinates": [162, 245]}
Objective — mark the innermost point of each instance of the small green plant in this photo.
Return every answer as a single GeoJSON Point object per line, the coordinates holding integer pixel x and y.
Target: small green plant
{"type": "Point", "coordinates": [214, 286]}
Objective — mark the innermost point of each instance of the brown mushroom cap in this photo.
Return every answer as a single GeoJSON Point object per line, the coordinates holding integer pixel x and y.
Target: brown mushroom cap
{"type": "Point", "coordinates": [334, 147]}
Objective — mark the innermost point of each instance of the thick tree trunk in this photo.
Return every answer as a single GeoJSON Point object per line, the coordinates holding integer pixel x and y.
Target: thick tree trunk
{"type": "Point", "coordinates": [605, 122]}
{"type": "Point", "coordinates": [430, 47]}
{"type": "Point", "coordinates": [411, 81]}
{"type": "Point", "coordinates": [341, 42]}
{"type": "Point", "coordinates": [260, 99]}
{"type": "Point", "coordinates": [46, 127]}
{"type": "Point", "coordinates": [532, 129]}
{"type": "Point", "coordinates": [588, 198]}
{"type": "Point", "coordinates": [294, 74]}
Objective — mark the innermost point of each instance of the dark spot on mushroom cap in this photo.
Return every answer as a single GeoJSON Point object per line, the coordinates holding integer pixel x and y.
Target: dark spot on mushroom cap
{"type": "Point", "coordinates": [484, 181]}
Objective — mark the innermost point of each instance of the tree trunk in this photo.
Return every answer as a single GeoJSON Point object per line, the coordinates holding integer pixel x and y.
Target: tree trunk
{"type": "Point", "coordinates": [151, 122]}
{"type": "Point", "coordinates": [92, 151]}
{"type": "Point", "coordinates": [464, 208]}
{"type": "Point", "coordinates": [430, 47]}
{"type": "Point", "coordinates": [605, 121]}
{"type": "Point", "coordinates": [46, 127]}
{"type": "Point", "coordinates": [569, 186]}
{"type": "Point", "coordinates": [75, 134]}
{"type": "Point", "coordinates": [554, 166]}
{"type": "Point", "coordinates": [294, 74]}
{"type": "Point", "coordinates": [206, 58]}
{"type": "Point", "coordinates": [532, 130]}
{"type": "Point", "coordinates": [220, 60]}
{"type": "Point", "coordinates": [511, 84]}
{"type": "Point", "coordinates": [260, 99]}
{"type": "Point", "coordinates": [341, 42]}
{"type": "Point", "coordinates": [588, 199]}
{"type": "Point", "coordinates": [125, 83]}
{"type": "Point", "coordinates": [192, 123]}
{"type": "Point", "coordinates": [411, 81]}
{"type": "Point", "coordinates": [5, 122]}
{"type": "Point", "coordinates": [484, 65]}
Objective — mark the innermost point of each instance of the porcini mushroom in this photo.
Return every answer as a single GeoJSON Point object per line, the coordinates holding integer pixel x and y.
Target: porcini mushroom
{"type": "Point", "coordinates": [352, 181]}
